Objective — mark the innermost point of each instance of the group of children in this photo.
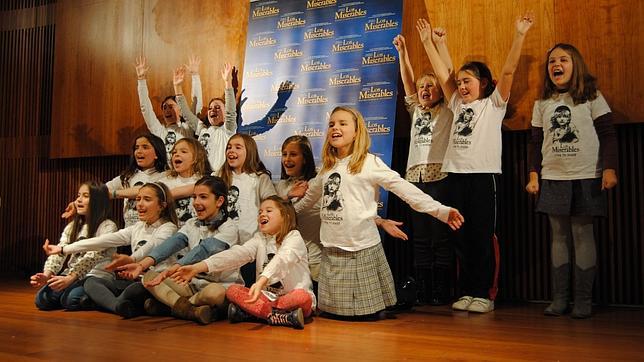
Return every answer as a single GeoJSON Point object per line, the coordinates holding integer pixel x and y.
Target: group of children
{"type": "Point", "coordinates": [203, 218]}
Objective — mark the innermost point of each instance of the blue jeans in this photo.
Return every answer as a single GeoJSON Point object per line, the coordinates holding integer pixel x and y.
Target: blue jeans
{"type": "Point", "coordinates": [68, 298]}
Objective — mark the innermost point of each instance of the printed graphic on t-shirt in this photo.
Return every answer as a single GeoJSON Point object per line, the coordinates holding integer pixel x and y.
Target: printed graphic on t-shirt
{"type": "Point", "coordinates": [233, 203]}
{"type": "Point", "coordinates": [564, 133]}
{"type": "Point", "coordinates": [463, 128]}
{"type": "Point", "coordinates": [183, 209]}
{"type": "Point", "coordinates": [277, 287]}
{"type": "Point", "coordinates": [139, 244]}
{"type": "Point", "coordinates": [332, 200]}
{"type": "Point", "coordinates": [170, 140]}
{"type": "Point", "coordinates": [130, 215]}
{"type": "Point", "coordinates": [424, 126]}
{"type": "Point", "coordinates": [204, 139]}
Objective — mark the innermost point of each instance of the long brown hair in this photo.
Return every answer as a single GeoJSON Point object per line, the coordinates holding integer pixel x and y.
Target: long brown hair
{"type": "Point", "coordinates": [252, 163]}
{"type": "Point", "coordinates": [288, 215]}
{"type": "Point", "coordinates": [582, 86]}
{"type": "Point", "coordinates": [359, 148]}
{"type": "Point", "coordinates": [98, 211]}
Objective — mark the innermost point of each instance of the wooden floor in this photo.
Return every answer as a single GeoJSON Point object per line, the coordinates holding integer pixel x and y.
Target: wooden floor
{"type": "Point", "coordinates": [512, 332]}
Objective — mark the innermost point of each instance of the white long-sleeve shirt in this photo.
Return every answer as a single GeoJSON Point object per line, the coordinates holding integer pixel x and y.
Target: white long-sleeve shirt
{"type": "Point", "coordinates": [250, 190]}
{"type": "Point", "coordinates": [140, 236]}
{"type": "Point", "coordinates": [214, 138]}
{"type": "Point", "coordinates": [350, 202]}
{"type": "Point", "coordinates": [288, 265]}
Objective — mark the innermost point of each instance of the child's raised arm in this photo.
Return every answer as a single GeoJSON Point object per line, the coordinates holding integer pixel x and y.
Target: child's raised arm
{"type": "Point", "coordinates": [439, 36]}
{"type": "Point", "coordinates": [448, 84]}
{"type": "Point", "coordinates": [150, 118]}
{"type": "Point", "coordinates": [522, 25]}
{"type": "Point", "coordinates": [406, 70]}
{"type": "Point", "coordinates": [197, 93]}
{"type": "Point", "coordinates": [178, 77]}
{"type": "Point", "coordinates": [230, 106]}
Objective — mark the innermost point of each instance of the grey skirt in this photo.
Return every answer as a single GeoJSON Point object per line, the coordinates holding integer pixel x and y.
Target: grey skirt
{"type": "Point", "coordinates": [353, 283]}
{"type": "Point", "coordinates": [572, 197]}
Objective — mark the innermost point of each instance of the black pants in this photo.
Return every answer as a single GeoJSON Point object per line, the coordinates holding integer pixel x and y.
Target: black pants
{"type": "Point", "coordinates": [474, 195]}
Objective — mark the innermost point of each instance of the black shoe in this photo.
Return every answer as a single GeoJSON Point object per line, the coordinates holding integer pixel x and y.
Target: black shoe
{"type": "Point", "coordinates": [293, 319]}
{"type": "Point", "coordinates": [236, 314]}
{"type": "Point", "coordinates": [127, 309]}
{"type": "Point", "coordinates": [86, 303]}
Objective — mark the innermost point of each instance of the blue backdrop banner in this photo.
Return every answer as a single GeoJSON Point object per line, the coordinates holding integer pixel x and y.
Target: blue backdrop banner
{"type": "Point", "coordinates": [305, 57]}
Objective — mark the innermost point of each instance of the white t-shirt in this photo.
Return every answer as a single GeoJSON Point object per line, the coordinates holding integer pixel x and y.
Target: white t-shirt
{"type": "Point", "coordinates": [185, 210]}
{"type": "Point", "coordinates": [570, 146]}
{"type": "Point", "coordinates": [350, 202]}
{"type": "Point", "coordinates": [244, 196]}
{"type": "Point", "coordinates": [475, 138]}
{"type": "Point", "coordinates": [429, 132]}
{"type": "Point", "coordinates": [130, 215]}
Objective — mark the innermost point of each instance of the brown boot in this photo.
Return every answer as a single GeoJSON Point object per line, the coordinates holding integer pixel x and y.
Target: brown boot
{"type": "Point", "coordinates": [183, 309]}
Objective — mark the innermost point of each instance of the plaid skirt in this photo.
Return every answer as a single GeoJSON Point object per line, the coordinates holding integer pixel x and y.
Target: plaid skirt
{"type": "Point", "coordinates": [353, 283]}
{"type": "Point", "coordinates": [572, 198]}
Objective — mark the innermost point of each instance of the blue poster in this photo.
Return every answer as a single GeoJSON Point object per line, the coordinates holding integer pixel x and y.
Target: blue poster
{"type": "Point", "coordinates": [305, 57]}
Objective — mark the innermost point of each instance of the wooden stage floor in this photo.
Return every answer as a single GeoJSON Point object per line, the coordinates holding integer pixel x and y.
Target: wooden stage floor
{"type": "Point", "coordinates": [512, 332]}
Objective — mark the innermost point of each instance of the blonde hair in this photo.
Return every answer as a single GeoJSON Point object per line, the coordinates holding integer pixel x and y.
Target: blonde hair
{"type": "Point", "coordinates": [288, 216]}
{"type": "Point", "coordinates": [200, 165]}
{"type": "Point", "coordinates": [359, 148]}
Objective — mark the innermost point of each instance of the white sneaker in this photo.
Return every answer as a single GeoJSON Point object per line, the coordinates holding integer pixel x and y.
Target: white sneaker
{"type": "Point", "coordinates": [481, 305]}
{"type": "Point", "coordinates": [462, 303]}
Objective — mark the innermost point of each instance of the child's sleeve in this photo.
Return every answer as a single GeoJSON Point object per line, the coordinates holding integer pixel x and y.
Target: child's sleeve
{"type": "Point", "coordinates": [191, 118]}
{"type": "Point", "coordinates": [234, 257]}
{"type": "Point", "coordinates": [230, 108]}
{"type": "Point", "coordinates": [536, 139]}
{"type": "Point", "coordinates": [603, 122]}
{"type": "Point", "coordinates": [110, 240]}
{"type": "Point", "coordinates": [313, 194]}
{"type": "Point", "coordinates": [207, 247]}
{"type": "Point", "coordinates": [292, 251]}
{"type": "Point", "coordinates": [168, 247]}
{"type": "Point", "coordinates": [88, 260]}
{"type": "Point", "coordinates": [151, 120]}
{"type": "Point", "coordinates": [54, 263]}
{"type": "Point", "coordinates": [164, 232]}
{"type": "Point", "coordinates": [197, 95]}
{"type": "Point", "coordinates": [412, 195]}
{"type": "Point", "coordinates": [265, 187]}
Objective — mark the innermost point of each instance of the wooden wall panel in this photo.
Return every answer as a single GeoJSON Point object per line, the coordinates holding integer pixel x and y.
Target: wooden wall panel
{"type": "Point", "coordinates": [608, 33]}
{"type": "Point", "coordinates": [95, 99]}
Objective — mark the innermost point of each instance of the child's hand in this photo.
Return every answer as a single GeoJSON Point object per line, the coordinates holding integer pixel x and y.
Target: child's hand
{"type": "Point", "coordinates": [525, 22]}
{"type": "Point", "coordinates": [455, 219]}
{"type": "Point", "coordinates": [129, 271]}
{"type": "Point", "coordinates": [399, 43]}
{"type": "Point", "coordinates": [118, 260]}
{"type": "Point", "coordinates": [193, 64]}
{"type": "Point", "coordinates": [60, 282]}
{"type": "Point", "coordinates": [161, 276]}
{"type": "Point", "coordinates": [51, 249]}
{"type": "Point", "coordinates": [227, 73]}
{"type": "Point", "coordinates": [299, 189]}
{"type": "Point", "coordinates": [424, 30]}
{"type": "Point", "coordinates": [39, 279]}
{"type": "Point", "coordinates": [256, 289]}
{"type": "Point", "coordinates": [609, 179]}
{"type": "Point", "coordinates": [141, 67]}
{"type": "Point", "coordinates": [70, 211]}
{"type": "Point", "coordinates": [179, 75]}
{"type": "Point", "coordinates": [532, 187]}
{"type": "Point", "coordinates": [439, 35]}
{"type": "Point", "coordinates": [392, 228]}
{"type": "Point", "coordinates": [184, 274]}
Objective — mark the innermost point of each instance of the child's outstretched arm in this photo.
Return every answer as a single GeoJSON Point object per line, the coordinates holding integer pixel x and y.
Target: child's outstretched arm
{"type": "Point", "coordinates": [150, 118]}
{"type": "Point", "coordinates": [196, 93]}
{"type": "Point", "coordinates": [230, 107]}
{"type": "Point", "coordinates": [448, 84]}
{"type": "Point", "coordinates": [406, 70]}
{"type": "Point", "coordinates": [522, 25]}
{"type": "Point", "coordinates": [439, 37]}
{"type": "Point", "coordinates": [178, 77]}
